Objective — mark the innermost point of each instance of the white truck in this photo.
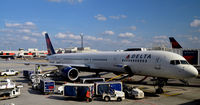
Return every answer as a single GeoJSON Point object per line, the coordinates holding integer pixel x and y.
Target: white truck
{"type": "Point", "coordinates": [113, 95]}
{"type": "Point", "coordinates": [9, 72]}
{"type": "Point", "coordinates": [133, 92]}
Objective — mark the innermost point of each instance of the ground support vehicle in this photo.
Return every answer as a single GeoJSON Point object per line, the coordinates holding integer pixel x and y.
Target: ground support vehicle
{"type": "Point", "coordinates": [8, 89]}
{"type": "Point", "coordinates": [46, 86]}
{"type": "Point", "coordinates": [81, 91]}
{"type": "Point", "coordinates": [9, 72]}
{"type": "Point", "coordinates": [134, 93]}
{"type": "Point", "coordinates": [113, 95]}
{"type": "Point", "coordinates": [104, 87]}
{"type": "Point", "coordinates": [27, 73]}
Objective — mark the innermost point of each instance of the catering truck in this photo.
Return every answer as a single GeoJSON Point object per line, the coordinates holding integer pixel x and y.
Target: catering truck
{"type": "Point", "coordinates": [81, 91]}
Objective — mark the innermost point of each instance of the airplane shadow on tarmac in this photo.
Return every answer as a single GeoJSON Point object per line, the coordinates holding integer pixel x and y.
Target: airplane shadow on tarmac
{"type": "Point", "coordinates": [37, 92]}
{"type": "Point", "coordinates": [67, 98]}
{"type": "Point", "coordinates": [195, 102]}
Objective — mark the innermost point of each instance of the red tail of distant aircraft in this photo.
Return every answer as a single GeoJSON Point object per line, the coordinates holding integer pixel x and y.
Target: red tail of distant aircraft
{"type": "Point", "coordinates": [174, 43]}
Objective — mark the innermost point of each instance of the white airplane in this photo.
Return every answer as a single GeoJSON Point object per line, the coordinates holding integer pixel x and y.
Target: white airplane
{"type": "Point", "coordinates": [161, 64]}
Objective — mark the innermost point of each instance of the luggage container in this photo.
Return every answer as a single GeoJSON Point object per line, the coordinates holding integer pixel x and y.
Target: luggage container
{"type": "Point", "coordinates": [81, 91]}
{"type": "Point", "coordinates": [47, 86]}
{"type": "Point", "coordinates": [104, 87]}
{"type": "Point", "coordinates": [25, 73]}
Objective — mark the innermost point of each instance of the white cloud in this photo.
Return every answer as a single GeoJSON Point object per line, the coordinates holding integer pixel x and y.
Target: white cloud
{"type": "Point", "coordinates": [27, 38]}
{"type": "Point", "coordinates": [72, 36]}
{"type": "Point", "coordinates": [55, 1]}
{"type": "Point", "coordinates": [126, 42]}
{"type": "Point", "coordinates": [108, 32]}
{"type": "Point", "coordinates": [160, 37]}
{"type": "Point", "coordinates": [29, 24]}
{"type": "Point", "coordinates": [67, 36]}
{"type": "Point", "coordinates": [100, 17]}
{"type": "Point", "coordinates": [118, 17]}
{"type": "Point", "coordinates": [24, 31]}
{"type": "Point", "coordinates": [133, 28]}
{"type": "Point", "coordinates": [12, 24]}
{"type": "Point", "coordinates": [36, 34]}
{"type": "Point", "coordinates": [68, 1]}
{"type": "Point", "coordinates": [161, 40]}
{"type": "Point", "coordinates": [93, 38]}
{"type": "Point", "coordinates": [60, 35]}
{"type": "Point", "coordinates": [43, 33]}
{"type": "Point", "coordinates": [127, 34]}
{"type": "Point", "coordinates": [34, 40]}
{"type": "Point", "coordinates": [123, 16]}
{"type": "Point", "coordinates": [20, 25]}
{"type": "Point", "coordinates": [141, 21]}
{"type": "Point", "coordinates": [114, 17]}
{"type": "Point", "coordinates": [198, 30]}
{"type": "Point", "coordinates": [194, 39]}
{"type": "Point", "coordinates": [195, 23]}
{"type": "Point", "coordinates": [6, 30]}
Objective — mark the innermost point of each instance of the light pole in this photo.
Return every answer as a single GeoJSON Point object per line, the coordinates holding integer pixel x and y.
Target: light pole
{"type": "Point", "coordinates": [81, 40]}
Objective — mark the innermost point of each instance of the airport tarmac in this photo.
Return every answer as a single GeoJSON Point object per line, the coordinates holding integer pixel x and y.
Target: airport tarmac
{"type": "Point", "coordinates": [176, 93]}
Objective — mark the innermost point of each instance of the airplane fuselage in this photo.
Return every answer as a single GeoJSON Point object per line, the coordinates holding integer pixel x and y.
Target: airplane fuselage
{"type": "Point", "coordinates": [147, 63]}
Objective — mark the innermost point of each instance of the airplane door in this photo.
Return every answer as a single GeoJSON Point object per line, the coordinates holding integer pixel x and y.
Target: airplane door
{"type": "Point", "coordinates": [158, 63]}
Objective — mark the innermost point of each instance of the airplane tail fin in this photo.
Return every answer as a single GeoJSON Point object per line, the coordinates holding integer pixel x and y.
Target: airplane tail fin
{"type": "Point", "coordinates": [50, 48]}
{"type": "Point", "coordinates": [174, 43]}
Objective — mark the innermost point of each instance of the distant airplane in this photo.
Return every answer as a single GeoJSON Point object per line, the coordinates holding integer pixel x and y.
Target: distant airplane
{"type": "Point", "coordinates": [160, 64]}
{"type": "Point", "coordinates": [190, 55]}
{"type": "Point", "coordinates": [174, 43]}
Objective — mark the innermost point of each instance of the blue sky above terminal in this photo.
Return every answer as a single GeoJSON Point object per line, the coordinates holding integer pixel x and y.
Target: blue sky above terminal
{"type": "Point", "coordinates": [105, 24]}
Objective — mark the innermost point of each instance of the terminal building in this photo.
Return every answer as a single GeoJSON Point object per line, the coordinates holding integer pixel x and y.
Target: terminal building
{"type": "Point", "coordinates": [21, 53]}
{"type": "Point", "coordinates": [35, 53]}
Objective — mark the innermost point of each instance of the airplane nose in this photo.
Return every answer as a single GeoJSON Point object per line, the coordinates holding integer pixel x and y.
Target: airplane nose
{"type": "Point", "coordinates": [196, 73]}
{"type": "Point", "coordinates": [193, 72]}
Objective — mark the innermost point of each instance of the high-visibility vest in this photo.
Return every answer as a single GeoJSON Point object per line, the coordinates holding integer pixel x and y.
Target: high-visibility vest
{"type": "Point", "coordinates": [88, 94]}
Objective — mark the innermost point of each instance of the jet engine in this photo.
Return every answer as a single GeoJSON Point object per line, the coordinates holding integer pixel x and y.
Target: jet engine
{"type": "Point", "coordinates": [70, 73]}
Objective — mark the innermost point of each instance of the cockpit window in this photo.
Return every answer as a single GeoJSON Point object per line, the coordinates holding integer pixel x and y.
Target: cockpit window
{"type": "Point", "coordinates": [172, 62]}
{"type": "Point", "coordinates": [176, 62]}
{"type": "Point", "coordinates": [184, 62]}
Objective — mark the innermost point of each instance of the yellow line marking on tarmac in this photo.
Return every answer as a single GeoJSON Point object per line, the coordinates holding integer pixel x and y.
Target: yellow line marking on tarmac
{"type": "Point", "coordinates": [114, 77]}
{"type": "Point", "coordinates": [175, 94]}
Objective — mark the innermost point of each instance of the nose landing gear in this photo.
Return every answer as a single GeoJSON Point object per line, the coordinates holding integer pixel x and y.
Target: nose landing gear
{"type": "Point", "coordinates": [160, 82]}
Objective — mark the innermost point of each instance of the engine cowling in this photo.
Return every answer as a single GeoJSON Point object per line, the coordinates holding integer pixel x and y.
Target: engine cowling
{"type": "Point", "coordinates": [70, 73]}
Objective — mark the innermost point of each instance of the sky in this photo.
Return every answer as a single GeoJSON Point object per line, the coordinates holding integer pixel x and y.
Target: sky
{"type": "Point", "coordinates": [104, 24]}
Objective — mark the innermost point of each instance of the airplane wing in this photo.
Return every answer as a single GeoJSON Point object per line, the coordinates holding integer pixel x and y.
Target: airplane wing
{"type": "Point", "coordinates": [46, 64]}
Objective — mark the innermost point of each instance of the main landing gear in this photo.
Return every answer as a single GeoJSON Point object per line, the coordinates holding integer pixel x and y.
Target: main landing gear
{"type": "Point", "coordinates": [160, 82]}
{"type": "Point", "coordinates": [97, 74]}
